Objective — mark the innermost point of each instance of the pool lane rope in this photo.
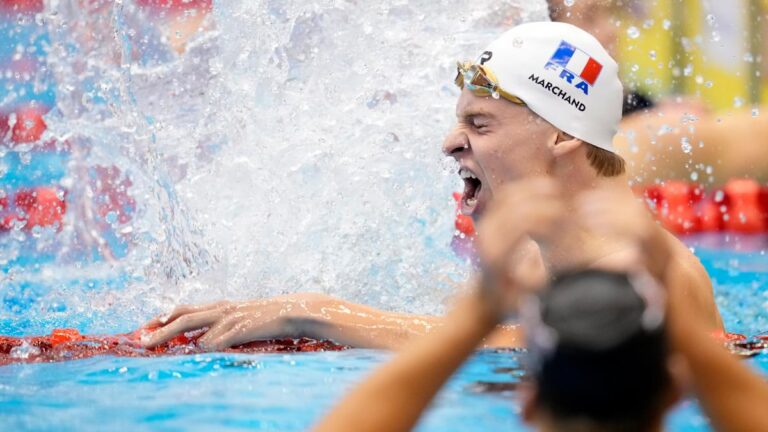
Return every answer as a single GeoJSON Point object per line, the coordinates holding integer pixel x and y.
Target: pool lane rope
{"type": "Point", "coordinates": [68, 344]}
{"type": "Point", "coordinates": [65, 344]}
{"type": "Point", "coordinates": [741, 206]}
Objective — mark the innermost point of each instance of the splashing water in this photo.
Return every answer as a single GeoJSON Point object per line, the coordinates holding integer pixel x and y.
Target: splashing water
{"type": "Point", "coordinates": [294, 147]}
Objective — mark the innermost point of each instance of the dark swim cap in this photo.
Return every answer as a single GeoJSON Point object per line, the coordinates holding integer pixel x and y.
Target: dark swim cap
{"type": "Point", "coordinates": [597, 346]}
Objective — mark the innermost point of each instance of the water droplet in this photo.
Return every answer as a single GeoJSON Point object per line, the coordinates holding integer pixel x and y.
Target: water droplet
{"type": "Point", "coordinates": [755, 112]}
{"type": "Point", "coordinates": [568, 3]}
{"type": "Point", "coordinates": [633, 32]}
{"type": "Point", "coordinates": [719, 197]}
{"type": "Point", "coordinates": [635, 68]}
{"type": "Point", "coordinates": [24, 351]}
{"type": "Point", "coordinates": [652, 54]}
{"type": "Point", "coordinates": [688, 71]}
{"type": "Point", "coordinates": [710, 19]}
{"type": "Point", "coordinates": [111, 217]}
{"type": "Point", "coordinates": [495, 95]}
{"type": "Point", "coordinates": [738, 102]}
{"type": "Point", "coordinates": [666, 24]}
{"type": "Point", "coordinates": [749, 58]}
{"type": "Point", "coordinates": [685, 145]}
{"type": "Point", "coordinates": [715, 36]}
{"type": "Point", "coordinates": [694, 176]}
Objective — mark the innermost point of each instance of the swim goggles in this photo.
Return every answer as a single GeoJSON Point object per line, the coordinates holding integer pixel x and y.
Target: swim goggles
{"type": "Point", "coordinates": [481, 82]}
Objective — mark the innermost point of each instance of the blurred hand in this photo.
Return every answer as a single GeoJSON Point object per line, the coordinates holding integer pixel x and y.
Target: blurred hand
{"type": "Point", "coordinates": [518, 212]}
{"type": "Point", "coordinates": [618, 214]}
{"type": "Point", "coordinates": [234, 323]}
{"type": "Point", "coordinates": [615, 213]}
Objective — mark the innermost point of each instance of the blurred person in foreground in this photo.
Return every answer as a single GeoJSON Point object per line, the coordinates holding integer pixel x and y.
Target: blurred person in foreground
{"type": "Point", "coordinates": [544, 99]}
{"type": "Point", "coordinates": [606, 350]}
{"type": "Point", "coordinates": [652, 130]}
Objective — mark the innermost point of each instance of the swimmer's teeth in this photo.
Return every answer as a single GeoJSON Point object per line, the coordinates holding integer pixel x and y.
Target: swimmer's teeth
{"type": "Point", "coordinates": [465, 174]}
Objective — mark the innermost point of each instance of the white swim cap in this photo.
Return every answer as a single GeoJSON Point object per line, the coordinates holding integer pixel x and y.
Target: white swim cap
{"type": "Point", "coordinates": [563, 74]}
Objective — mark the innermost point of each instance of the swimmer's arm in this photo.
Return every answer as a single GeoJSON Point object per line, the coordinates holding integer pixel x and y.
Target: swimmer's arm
{"type": "Point", "coordinates": [395, 396]}
{"type": "Point", "coordinates": [733, 397]}
{"type": "Point", "coordinates": [362, 326]}
{"type": "Point", "coordinates": [667, 259]}
{"type": "Point", "coordinates": [302, 315]}
{"type": "Point", "coordinates": [651, 145]}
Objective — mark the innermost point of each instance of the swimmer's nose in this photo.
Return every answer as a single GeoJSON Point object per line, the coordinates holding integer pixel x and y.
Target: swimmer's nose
{"type": "Point", "coordinates": [455, 143]}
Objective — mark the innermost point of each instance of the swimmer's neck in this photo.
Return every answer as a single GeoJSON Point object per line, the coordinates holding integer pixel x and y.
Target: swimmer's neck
{"type": "Point", "coordinates": [580, 249]}
{"type": "Point", "coordinates": [577, 247]}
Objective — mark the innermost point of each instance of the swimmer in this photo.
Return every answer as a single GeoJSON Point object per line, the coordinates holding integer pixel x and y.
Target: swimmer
{"type": "Point", "coordinates": [604, 348]}
{"type": "Point", "coordinates": [522, 113]}
{"type": "Point", "coordinates": [652, 131]}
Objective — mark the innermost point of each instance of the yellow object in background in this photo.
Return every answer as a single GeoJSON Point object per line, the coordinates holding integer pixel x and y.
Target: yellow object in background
{"type": "Point", "coordinates": [709, 49]}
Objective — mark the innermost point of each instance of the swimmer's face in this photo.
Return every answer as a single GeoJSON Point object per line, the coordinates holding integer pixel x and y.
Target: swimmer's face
{"type": "Point", "coordinates": [598, 17]}
{"type": "Point", "coordinates": [496, 142]}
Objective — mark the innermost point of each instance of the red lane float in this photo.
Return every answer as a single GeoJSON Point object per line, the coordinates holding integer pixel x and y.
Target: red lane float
{"type": "Point", "coordinates": [463, 223]}
{"type": "Point", "coordinates": [41, 206]}
{"type": "Point", "coordinates": [744, 212]}
{"type": "Point", "coordinates": [674, 202]}
{"type": "Point", "coordinates": [724, 336]}
{"type": "Point", "coordinates": [462, 243]}
{"type": "Point", "coordinates": [21, 6]}
{"type": "Point", "coordinates": [29, 126]}
{"type": "Point", "coordinates": [740, 345]}
{"type": "Point", "coordinates": [741, 206]}
{"type": "Point", "coordinates": [69, 344]}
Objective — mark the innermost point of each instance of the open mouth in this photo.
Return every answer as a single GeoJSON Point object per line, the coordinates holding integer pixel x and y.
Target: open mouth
{"type": "Point", "coordinates": [472, 187]}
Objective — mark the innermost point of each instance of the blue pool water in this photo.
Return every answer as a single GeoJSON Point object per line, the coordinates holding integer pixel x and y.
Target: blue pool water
{"type": "Point", "coordinates": [276, 392]}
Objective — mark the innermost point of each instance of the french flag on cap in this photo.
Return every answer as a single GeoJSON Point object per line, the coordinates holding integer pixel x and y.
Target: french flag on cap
{"type": "Point", "coordinates": [577, 62]}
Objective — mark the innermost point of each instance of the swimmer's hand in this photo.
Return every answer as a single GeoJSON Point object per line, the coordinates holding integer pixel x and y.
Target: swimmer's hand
{"type": "Point", "coordinates": [235, 323]}
{"type": "Point", "coordinates": [520, 211]}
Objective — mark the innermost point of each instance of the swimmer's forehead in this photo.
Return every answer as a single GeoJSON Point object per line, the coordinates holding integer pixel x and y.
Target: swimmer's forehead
{"type": "Point", "coordinates": [475, 107]}
{"type": "Point", "coordinates": [479, 112]}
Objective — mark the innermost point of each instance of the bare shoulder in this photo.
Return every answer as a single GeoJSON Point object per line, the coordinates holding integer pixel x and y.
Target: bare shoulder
{"type": "Point", "coordinates": [685, 260]}
{"type": "Point", "coordinates": [688, 272]}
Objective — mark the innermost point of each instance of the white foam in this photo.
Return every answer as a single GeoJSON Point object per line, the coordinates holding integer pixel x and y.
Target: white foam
{"type": "Point", "coordinates": [297, 147]}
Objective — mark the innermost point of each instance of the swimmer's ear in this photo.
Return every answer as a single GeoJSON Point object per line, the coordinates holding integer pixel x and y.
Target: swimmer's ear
{"type": "Point", "coordinates": [564, 144]}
